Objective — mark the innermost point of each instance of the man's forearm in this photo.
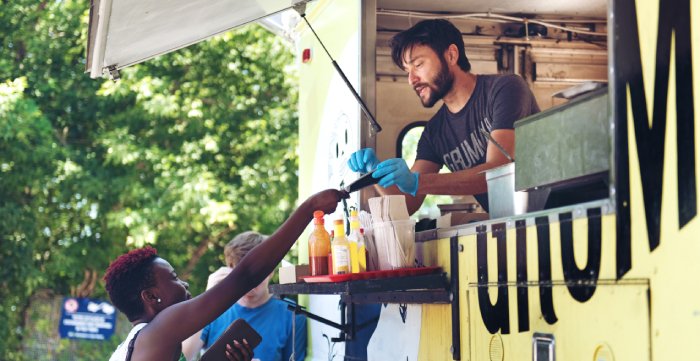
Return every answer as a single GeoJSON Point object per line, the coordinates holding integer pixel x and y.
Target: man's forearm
{"type": "Point", "coordinates": [466, 182]}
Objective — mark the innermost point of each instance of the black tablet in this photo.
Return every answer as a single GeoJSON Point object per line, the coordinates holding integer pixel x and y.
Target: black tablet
{"type": "Point", "coordinates": [238, 330]}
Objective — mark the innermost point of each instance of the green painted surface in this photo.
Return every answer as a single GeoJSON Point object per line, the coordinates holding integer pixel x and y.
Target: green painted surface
{"type": "Point", "coordinates": [563, 143]}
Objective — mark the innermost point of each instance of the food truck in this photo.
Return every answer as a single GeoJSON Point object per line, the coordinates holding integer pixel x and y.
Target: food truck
{"type": "Point", "coordinates": [603, 270]}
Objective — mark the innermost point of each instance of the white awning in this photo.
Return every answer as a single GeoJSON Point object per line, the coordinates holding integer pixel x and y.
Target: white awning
{"type": "Point", "coordinates": [127, 32]}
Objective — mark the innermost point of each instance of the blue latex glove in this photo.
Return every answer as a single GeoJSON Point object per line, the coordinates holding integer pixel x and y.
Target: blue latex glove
{"type": "Point", "coordinates": [364, 160]}
{"type": "Point", "coordinates": [395, 172]}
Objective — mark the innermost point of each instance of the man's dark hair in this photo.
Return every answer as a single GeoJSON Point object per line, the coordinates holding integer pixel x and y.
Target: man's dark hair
{"type": "Point", "coordinates": [127, 276]}
{"type": "Point", "coordinates": [438, 34]}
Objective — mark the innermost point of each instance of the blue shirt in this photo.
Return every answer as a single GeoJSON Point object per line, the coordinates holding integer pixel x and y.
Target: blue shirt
{"type": "Point", "coordinates": [273, 321]}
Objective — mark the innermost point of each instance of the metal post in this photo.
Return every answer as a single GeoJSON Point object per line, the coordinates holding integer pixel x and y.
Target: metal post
{"type": "Point", "coordinates": [454, 293]}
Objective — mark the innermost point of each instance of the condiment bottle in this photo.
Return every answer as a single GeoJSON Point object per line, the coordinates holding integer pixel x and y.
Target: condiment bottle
{"type": "Point", "coordinates": [358, 260]}
{"type": "Point", "coordinates": [319, 246]}
{"type": "Point", "coordinates": [340, 249]}
{"type": "Point", "coordinates": [330, 254]}
{"type": "Point", "coordinates": [362, 251]}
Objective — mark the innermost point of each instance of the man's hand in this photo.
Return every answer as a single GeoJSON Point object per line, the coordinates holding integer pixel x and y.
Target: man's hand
{"type": "Point", "coordinates": [217, 276]}
{"type": "Point", "coordinates": [395, 172]}
{"type": "Point", "coordinates": [364, 160]}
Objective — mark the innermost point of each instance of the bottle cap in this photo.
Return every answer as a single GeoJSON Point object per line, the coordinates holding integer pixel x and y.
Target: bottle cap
{"type": "Point", "coordinates": [318, 217]}
{"type": "Point", "coordinates": [353, 213]}
{"type": "Point", "coordinates": [339, 226]}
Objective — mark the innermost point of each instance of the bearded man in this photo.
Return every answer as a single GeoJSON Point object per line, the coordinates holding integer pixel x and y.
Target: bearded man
{"type": "Point", "coordinates": [432, 54]}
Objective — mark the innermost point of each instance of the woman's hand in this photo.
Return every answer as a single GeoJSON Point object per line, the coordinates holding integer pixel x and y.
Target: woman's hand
{"type": "Point", "coordinates": [327, 200]}
{"type": "Point", "coordinates": [240, 351]}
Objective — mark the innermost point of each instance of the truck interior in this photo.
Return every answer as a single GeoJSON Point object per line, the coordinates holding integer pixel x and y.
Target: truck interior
{"type": "Point", "coordinates": [559, 47]}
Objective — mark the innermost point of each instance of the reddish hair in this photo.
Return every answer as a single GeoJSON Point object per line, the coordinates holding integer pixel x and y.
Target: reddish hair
{"type": "Point", "coordinates": [127, 276]}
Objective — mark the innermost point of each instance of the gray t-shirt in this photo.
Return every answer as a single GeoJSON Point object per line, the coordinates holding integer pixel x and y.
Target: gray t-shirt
{"type": "Point", "coordinates": [454, 139]}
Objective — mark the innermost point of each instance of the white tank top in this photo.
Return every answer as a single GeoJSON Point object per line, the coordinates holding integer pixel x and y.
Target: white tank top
{"type": "Point", "coordinates": [123, 349]}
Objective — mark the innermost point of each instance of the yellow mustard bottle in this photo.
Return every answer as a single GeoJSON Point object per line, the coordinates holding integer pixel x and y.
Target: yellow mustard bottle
{"type": "Point", "coordinates": [357, 261]}
{"type": "Point", "coordinates": [340, 249]}
{"type": "Point", "coordinates": [362, 251]}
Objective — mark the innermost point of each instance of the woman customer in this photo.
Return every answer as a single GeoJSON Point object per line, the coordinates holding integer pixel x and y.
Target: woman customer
{"type": "Point", "coordinates": [146, 288]}
{"type": "Point", "coordinates": [283, 332]}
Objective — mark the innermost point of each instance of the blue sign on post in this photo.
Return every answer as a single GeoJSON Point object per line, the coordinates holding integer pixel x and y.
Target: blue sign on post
{"type": "Point", "coordinates": [87, 319]}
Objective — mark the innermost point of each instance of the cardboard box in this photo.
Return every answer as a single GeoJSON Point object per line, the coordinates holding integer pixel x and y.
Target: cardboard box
{"type": "Point", "coordinates": [457, 218]}
{"type": "Point", "coordinates": [293, 274]}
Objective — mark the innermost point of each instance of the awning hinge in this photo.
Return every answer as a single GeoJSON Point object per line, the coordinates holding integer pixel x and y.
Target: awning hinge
{"type": "Point", "coordinates": [113, 72]}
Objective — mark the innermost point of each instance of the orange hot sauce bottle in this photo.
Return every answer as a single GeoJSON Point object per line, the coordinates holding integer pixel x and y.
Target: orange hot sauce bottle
{"type": "Point", "coordinates": [319, 246]}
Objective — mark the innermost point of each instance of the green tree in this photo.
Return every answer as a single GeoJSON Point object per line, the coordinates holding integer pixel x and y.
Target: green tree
{"type": "Point", "coordinates": [28, 157]}
{"type": "Point", "coordinates": [183, 152]}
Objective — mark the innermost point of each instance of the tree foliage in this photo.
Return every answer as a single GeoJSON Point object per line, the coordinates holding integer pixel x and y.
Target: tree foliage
{"type": "Point", "coordinates": [183, 152]}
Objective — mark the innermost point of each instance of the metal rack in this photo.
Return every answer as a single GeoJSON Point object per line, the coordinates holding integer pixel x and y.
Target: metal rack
{"type": "Point", "coordinates": [434, 288]}
{"type": "Point", "coordinates": [431, 288]}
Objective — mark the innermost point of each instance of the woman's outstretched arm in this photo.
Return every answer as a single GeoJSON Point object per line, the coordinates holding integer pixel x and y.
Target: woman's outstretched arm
{"type": "Point", "coordinates": [176, 323]}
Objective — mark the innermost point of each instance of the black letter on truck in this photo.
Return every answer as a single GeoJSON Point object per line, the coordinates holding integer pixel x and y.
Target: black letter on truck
{"type": "Point", "coordinates": [545, 270]}
{"type": "Point", "coordinates": [674, 18]}
{"type": "Point", "coordinates": [521, 275]}
{"type": "Point", "coordinates": [589, 274]}
{"type": "Point", "coordinates": [495, 316]}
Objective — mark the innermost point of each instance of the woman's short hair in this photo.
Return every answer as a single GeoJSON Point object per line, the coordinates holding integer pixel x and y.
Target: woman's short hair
{"type": "Point", "coordinates": [240, 245]}
{"type": "Point", "coordinates": [438, 34]}
{"type": "Point", "coordinates": [127, 276]}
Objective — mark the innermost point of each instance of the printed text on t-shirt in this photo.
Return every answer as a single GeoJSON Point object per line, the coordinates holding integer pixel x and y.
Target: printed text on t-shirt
{"type": "Point", "coordinates": [467, 154]}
